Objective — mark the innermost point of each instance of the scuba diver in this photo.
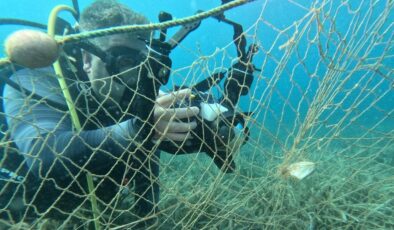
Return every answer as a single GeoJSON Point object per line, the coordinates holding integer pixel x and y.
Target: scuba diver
{"type": "Point", "coordinates": [125, 120]}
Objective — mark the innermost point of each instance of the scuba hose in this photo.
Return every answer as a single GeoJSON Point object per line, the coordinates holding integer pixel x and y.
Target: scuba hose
{"type": "Point", "coordinates": [16, 21]}
{"type": "Point", "coordinates": [58, 69]}
{"type": "Point", "coordinates": [71, 105]}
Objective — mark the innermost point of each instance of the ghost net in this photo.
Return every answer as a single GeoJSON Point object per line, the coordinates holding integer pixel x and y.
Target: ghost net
{"type": "Point", "coordinates": [324, 96]}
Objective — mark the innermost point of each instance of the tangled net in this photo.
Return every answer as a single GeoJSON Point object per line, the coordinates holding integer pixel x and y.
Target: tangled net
{"type": "Point", "coordinates": [325, 95]}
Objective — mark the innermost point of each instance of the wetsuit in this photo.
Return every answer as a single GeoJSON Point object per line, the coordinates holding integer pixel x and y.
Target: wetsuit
{"type": "Point", "coordinates": [57, 157]}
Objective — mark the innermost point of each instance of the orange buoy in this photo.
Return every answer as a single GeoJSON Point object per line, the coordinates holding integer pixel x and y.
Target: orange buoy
{"type": "Point", "coordinates": [31, 49]}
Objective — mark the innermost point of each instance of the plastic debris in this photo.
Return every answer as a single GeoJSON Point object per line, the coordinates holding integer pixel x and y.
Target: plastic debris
{"type": "Point", "coordinates": [299, 170]}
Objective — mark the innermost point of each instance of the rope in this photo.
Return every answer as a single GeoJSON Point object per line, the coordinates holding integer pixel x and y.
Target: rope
{"type": "Point", "coordinates": [4, 61]}
{"type": "Point", "coordinates": [153, 26]}
{"type": "Point", "coordinates": [71, 105]}
{"type": "Point", "coordinates": [149, 27]}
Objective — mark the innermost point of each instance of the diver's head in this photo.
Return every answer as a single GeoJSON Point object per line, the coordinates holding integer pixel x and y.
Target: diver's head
{"type": "Point", "coordinates": [112, 78]}
{"type": "Point", "coordinates": [119, 71]}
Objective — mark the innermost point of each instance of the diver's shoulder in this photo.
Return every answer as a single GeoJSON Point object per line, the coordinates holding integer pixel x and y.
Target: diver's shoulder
{"type": "Point", "coordinates": [41, 74]}
{"type": "Point", "coordinates": [42, 82]}
{"type": "Point", "coordinates": [33, 79]}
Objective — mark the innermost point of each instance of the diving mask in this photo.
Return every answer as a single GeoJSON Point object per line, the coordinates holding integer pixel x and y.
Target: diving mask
{"type": "Point", "coordinates": [121, 58]}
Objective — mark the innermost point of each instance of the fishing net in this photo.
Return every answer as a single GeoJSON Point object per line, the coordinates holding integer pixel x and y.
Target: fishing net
{"type": "Point", "coordinates": [324, 96]}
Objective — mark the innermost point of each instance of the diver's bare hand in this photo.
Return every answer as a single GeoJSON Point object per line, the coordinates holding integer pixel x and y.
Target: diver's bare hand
{"type": "Point", "coordinates": [168, 124]}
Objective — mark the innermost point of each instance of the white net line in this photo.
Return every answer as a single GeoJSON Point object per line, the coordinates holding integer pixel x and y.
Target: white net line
{"type": "Point", "coordinates": [324, 95]}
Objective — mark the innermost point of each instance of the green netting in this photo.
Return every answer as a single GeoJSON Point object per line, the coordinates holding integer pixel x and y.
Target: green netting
{"type": "Point", "coordinates": [324, 95]}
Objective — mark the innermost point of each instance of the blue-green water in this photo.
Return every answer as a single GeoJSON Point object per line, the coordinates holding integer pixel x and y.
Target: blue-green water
{"type": "Point", "coordinates": [271, 18]}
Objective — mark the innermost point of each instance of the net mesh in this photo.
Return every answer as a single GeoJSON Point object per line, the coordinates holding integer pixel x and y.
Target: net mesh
{"type": "Point", "coordinates": [324, 95]}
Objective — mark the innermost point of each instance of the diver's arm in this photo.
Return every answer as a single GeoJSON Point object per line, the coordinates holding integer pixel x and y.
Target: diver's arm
{"type": "Point", "coordinates": [44, 135]}
{"type": "Point", "coordinates": [65, 152]}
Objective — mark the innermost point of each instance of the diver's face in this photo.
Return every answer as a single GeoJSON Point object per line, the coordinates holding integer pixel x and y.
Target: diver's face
{"type": "Point", "coordinates": [110, 88]}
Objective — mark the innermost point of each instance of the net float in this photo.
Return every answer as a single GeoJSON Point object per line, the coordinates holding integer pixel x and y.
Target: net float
{"type": "Point", "coordinates": [31, 49]}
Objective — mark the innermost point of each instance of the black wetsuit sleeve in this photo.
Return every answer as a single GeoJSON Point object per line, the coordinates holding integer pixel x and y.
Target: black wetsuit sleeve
{"type": "Point", "coordinates": [45, 135]}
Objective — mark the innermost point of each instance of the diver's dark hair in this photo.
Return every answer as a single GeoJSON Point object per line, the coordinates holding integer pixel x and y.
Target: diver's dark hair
{"type": "Point", "coordinates": [109, 13]}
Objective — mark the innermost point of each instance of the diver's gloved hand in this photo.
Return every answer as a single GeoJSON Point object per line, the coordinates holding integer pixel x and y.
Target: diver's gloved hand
{"type": "Point", "coordinates": [169, 120]}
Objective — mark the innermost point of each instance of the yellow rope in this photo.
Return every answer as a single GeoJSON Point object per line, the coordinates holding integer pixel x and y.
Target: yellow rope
{"type": "Point", "coordinates": [153, 26]}
{"type": "Point", "coordinates": [58, 69]}
{"type": "Point", "coordinates": [130, 28]}
{"type": "Point", "coordinates": [53, 16]}
{"type": "Point", "coordinates": [4, 61]}
{"type": "Point", "coordinates": [71, 105]}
